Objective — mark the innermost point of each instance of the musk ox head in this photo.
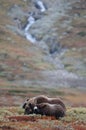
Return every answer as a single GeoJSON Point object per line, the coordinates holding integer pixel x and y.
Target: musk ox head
{"type": "Point", "coordinates": [27, 107]}
{"type": "Point", "coordinates": [30, 103]}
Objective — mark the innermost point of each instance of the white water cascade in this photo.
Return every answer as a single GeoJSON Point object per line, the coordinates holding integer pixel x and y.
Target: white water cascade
{"type": "Point", "coordinates": [41, 5]}
{"type": "Point", "coordinates": [31, 21]}
{"type": "Point", "coordinates": [28, 36]}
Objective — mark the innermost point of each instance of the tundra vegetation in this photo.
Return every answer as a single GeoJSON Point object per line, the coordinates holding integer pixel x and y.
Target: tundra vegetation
{"type": "Point", "coordinates": [12, 115]}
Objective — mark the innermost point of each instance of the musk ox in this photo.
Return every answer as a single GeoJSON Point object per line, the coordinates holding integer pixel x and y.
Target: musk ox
{"type": "Point", "coordinates": [49, 110]}
{"type": "Point", "coordinates": [28, 108]}
{"type": "Point", "coordinates": [32, 102]}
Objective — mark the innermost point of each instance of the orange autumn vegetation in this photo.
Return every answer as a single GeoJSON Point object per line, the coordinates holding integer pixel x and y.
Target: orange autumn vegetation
{"type": "Point", "coordinates": [13, 118]}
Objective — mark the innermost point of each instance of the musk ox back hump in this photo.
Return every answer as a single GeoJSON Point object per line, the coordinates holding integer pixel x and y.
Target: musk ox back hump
{"type": "Point", "coordinates": [57, 101]}
{"type": "Point", "coordinates": [50, 110]}
{"type": "Point", "coordinates": [42, 98]}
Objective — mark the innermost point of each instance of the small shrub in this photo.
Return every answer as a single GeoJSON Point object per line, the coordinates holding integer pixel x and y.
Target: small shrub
{"type": "Point", "coordinates": [82, 34]}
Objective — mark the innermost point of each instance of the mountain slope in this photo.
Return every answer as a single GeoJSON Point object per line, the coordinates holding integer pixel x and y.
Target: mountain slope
{"type": "Point", "coordinates": [25, 64]}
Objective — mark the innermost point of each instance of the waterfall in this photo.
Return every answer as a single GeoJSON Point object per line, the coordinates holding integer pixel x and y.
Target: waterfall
{"type": "Point", "coordinates": [41, 5]}
{"type": "Point", "coordinates": [28, 36]}
{"type": "Point", "coordinates": [31, 20]}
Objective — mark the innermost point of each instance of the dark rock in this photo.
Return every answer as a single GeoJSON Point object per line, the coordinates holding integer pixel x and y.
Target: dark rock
{"type": "Point", "coordinates": [37, 15]}
{"type": "Point", "coordinates": [36, 5]}
{"type": "Point", "coordinates": [54, 45]}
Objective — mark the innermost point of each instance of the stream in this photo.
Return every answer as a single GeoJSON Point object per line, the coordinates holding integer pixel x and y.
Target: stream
{"type": "Point", "coordinates": [31, 20]}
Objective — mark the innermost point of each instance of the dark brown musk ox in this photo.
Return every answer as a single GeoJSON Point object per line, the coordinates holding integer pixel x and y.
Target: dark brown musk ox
{"type": "Point", "coordinates": [28, 108]}
{"type": "Point", "coordinates": [32, 102]}
{"type": "Point", "coordinates": [47, 109]}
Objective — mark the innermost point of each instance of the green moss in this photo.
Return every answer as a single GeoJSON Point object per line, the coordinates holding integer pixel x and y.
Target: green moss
{"type": "Point", "coordinates": [82, 34]}
{"type": "Point", "coordinates": [2, 74]}
{"type": "Point", "coordinates": [74, 114]}
{"type": "Point", "coordinates": [17, 91]}
{"type": "Point", "coordinates": [56, 92]}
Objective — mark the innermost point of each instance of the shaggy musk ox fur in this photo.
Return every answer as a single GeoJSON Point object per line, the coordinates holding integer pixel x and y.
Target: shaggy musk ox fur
{"type": "Point", "coordinates": [50, 110]}
{"type": "Point", "coordinates": [32, 102]}
{"type": "Point", "coordinates": [28, 107]}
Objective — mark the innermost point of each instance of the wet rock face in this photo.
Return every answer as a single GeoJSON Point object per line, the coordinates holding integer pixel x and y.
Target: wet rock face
{"type": "Point", "coordinates": [46, 14]}
{"type": "Point", "coordinates": [45, 29]}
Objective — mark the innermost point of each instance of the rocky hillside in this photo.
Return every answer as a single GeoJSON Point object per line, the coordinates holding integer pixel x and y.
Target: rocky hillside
{"type": "Point", "coordinates": [57, 58]}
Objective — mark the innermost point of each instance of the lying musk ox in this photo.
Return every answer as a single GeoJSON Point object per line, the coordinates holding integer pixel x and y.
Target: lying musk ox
{"type": "Point", "coordinates": [49, 110]}
{"type": "Point", "coordinates": [32, 102]}
{"type": "Point", "coordinates": [28, 108]}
